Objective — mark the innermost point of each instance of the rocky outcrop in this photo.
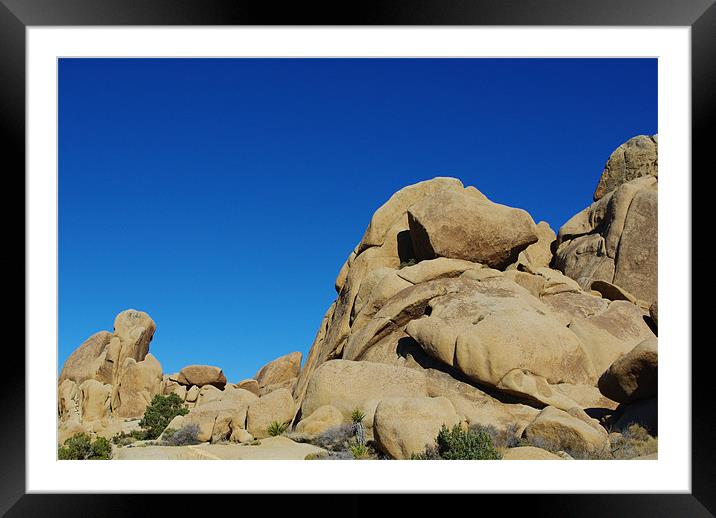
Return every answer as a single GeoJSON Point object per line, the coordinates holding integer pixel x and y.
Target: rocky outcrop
{"type": "Point", "coordinates": [637, 157]}
{"type": "Point", "coordinates": [277, 406]}
{"type": "Point", "coordinates": [137, 384]}
{"type": "Point", "coordinates": [615, 240]}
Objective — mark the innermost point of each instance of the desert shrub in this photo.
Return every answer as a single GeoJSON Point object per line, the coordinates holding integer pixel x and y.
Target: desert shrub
{"type": "Point", "coordinates": [187, 434]}
{"type": "Point", "coordinates": [456, 443]}
{"type": "Point", "coordinates": [507, 438]}
{"type": "Point", "coordinates": [335, 438]}
{"type": "Point", "coordinates": [160, 413]}
{"type": "Point", "coordinates": [359, 451]}
{"type": "Point", "coordinates": [81, 447]}
{"type": "Point", "coordinates": [634, 441]}
{"type": "Point", "coordinates": [357, 415]}
{"type": "Point", "coordinates": [124, 438]}
{"type": "Point", "coordinates": [276, 428]}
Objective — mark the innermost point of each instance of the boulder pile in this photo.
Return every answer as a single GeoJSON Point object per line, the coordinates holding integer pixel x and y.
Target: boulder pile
{"type": "Point", "coordinates": [452, 309]}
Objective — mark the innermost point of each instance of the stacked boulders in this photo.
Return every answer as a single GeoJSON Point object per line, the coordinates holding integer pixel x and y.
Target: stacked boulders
{"type": "Point", "coordinates": [453, 308]}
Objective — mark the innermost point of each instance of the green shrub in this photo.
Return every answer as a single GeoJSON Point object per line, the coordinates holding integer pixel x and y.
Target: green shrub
{"type": "Point", "coordinates": [81, 447]}
{"type": "Point", "coordinates": [359, 451]}
{"type": "Point", "coordinates": [634, 441]}
{"type": "Point", "coordinates": [470, 444]}
{"type": "Point", "coordinates": [276, 428]}
{"type": "Point", "coordinates": [160, 413]}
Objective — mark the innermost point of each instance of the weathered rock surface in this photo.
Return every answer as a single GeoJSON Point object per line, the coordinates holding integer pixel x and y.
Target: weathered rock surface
{"type": "Point", "coordinates": [556, 429]}
{"type": "Point", "coordinates": [634, 375]}
{"type": "Point", "coordinates": [615, 240]}
{"type": "Point", "coordinates": [637, 157]}
{"type": "Point", "coordinates": [279, 370]}
{"type": "Point", "coordinates": [201, 375]}
{"type": "Point", "coordinates": [250, 384]}
{"type": "Point", "coordinates": [137, 384]}
{"type": "Point", "coordinates": [459, 225]}
{"type": "Point", "coordinates": [320, 420]}
{"type": "Point", "coordinates": [406, 426]}
{"type": "Point", "coordinates": [529, 453]}
{"type": "Point", "coordinates": [94, 400]}
{"type": "Point", "coordinates": [278, 406]}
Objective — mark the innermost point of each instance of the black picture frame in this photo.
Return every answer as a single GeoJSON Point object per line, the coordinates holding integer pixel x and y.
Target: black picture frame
{"type": "Point", "coordinates": [699, 15]}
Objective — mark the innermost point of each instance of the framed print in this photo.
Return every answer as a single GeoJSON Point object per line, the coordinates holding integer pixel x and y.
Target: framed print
{"type": "Point", "coordinates": [417, 233]}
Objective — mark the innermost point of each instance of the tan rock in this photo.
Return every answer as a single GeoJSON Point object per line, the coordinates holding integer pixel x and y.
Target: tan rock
{"type": "Point", "coordinates": [456, 225]}
{"type": "Point", "coordinates": [67, 400]}
{"type": "Point", "coordinates": [439, 268]}
{"type": "Point", "coordinates": [222, 427]}
{"type": "Point", "coordinates": [172, 387]}
{"type": "Point", "coordinates": [320, 420]}
{"type": "Point", "coordinates": [406, 426]}
{"type": "Point", "coordinates": [612, 291]}
{"type": "Point", "coordinates": [634, 375]}
{"type": "Point", "coordinates": [614, 332]}
{"type": "Point", "coordinates": [249, 384]}
{"type": "Point", "coordinates": [614, 240]}
{"type": "Point", "coordinates": [205, 417]}
{"type": "Point", "coordinates": [137, 384]}
{"type": "Point", "coordinates": [529, 453]}
{"type": "Point", "coordinates": [486, 329]}
{"type": "Point", "coordinates": [241, 435]}
{"type": "Point", "coordinates": [94, 400]}
{"type": "Point", "coordinates": [654, 312]}
{"type": "Point", "coordinates": [278, 406]}
{"type": "Point", "coordinates": [289, 384]}
{"type": "Point", "coordinates": [349, 385]}
{"type": "Point", "coordinates": [87, 361]}
{"type": "Point", "coordinates": [635, 158]}
{"type": "Point", "coordinates": [524, 384]}
{"type": "Point", "coordinates": [567, 306]}
{"type": "Point", "coordinates": [207, 394]}
{"type": "Point", "coordinates": [556, 429]}
{"type": "Point", "coordinates": [201, 375]}
{"type": "Point", "coordinates": [538, 254]}
{"type": "Point", "coordinates": [279, 370]}
{"type": "Point", "coordinates": [192, 394]}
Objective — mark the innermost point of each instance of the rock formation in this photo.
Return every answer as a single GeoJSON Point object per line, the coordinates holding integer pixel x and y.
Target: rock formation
{"type": "Point", "coordinates": [451, 309]}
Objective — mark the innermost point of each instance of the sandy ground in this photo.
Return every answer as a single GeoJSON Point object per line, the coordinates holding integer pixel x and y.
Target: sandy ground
{"type": "Point", "coordinates": [271, 448]}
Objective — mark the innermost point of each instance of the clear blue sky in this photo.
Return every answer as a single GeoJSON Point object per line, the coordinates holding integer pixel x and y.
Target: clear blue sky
{"type": "Point", "coordinates": [222, 196]}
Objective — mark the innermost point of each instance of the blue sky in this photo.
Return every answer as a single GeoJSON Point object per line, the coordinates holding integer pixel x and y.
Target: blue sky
{"type": "Point", "coordinates": [222, 196]}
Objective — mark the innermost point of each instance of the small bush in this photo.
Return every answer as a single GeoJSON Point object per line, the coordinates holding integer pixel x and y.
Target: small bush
{"type": "Point", "coordinates": [335, 438]}
{"type": "Point", "coordinates": [501, 439]}
{"type": "Point", "coordinates": [187, 434]}
{"type": "Point", "coordinates": [160, 413]}
{"type": "Point", "coordinates": [634, 441]}
{"type": "Point", "coordinates": [123, 438]}
{"type": "Point", "coordinates": [359, 451]}
{"type": "Point", "coordinates": [81, 447]}
{"type": "Point", "coordinates": [459, 444]}
{"type": "Point", "coordinates": [276, 428]}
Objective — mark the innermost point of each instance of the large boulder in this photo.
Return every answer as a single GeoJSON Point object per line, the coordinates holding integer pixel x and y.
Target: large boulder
{"type": "Point", "coordinates": [611, 333]}
{"type": "Point", "coordinates": [348, 385]}
{"type": "Point", "coordinates": [323, 418]}
{"type": "Point", "coordinates": [67, 400]}
{"type": "Point", "coordinates": [556, 430]}
{"type": "Point", "coordinates": [634, 375]}
{"type": "Point", "coordinates": [403, 427]}
{"type": "Point", "coordinates": [459, 225]}
{"type": "Point", "coordinates": [615, 240]}
{"type": "Point", "coordinates": [278, 406]}
{"type": "Point", "coordinates": [201, 375]}
{"type": "Point", "coordinates": [220, 418]}
{"type": "Point", "coordinates": [88, 360]}
{"type": "Point", "coordinates": [637, 157]}
{"type": "Point", "coordinates": [137, 384]}
{"type": "Point", "coordinates": [486, 329]}
{"type": "Point", "coordinates": [279, 370]}
{"type": "Point", "coordinates": [94, 400]}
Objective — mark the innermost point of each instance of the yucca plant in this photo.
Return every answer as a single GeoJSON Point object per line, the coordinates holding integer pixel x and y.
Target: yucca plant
{"type": "Point", "coordinates": [357, 417]}
{"type": "Point", "coordinates": [276, 428]}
